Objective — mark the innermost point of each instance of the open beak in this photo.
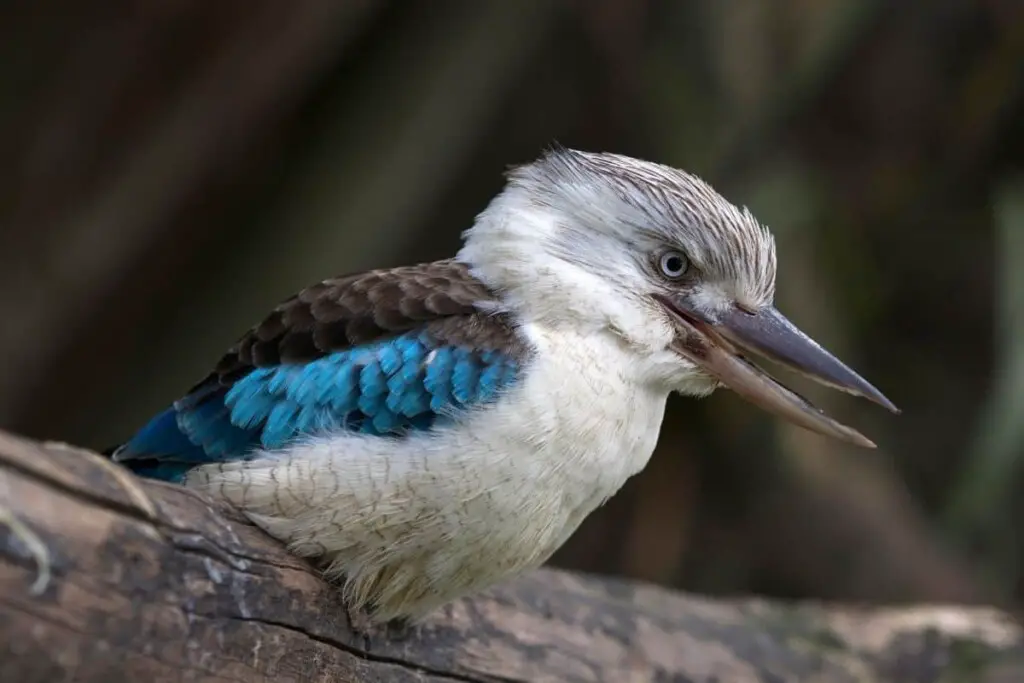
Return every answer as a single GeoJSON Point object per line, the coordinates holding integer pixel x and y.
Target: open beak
{"type": "Point", "coordinates": [717, 346]}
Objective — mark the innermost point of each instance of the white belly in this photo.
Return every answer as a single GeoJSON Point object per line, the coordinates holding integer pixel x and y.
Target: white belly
{"type": "Point", "coordinates": [412, 524]}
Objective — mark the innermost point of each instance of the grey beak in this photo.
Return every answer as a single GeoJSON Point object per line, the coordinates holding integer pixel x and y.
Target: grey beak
{"type": "Point", "coordinates": [771, 335]}
{"type": "Point", "coordinates": [717, 346]}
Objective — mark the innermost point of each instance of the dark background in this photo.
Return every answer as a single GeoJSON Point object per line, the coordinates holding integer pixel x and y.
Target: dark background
{"type": "Point", "coordinates": [171, 169]}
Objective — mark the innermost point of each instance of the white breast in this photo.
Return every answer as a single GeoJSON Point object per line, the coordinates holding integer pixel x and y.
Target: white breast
{"type": "Point", "coordinates": [414, 523]}
{"type": "Point", "coordinates": [596, 422]}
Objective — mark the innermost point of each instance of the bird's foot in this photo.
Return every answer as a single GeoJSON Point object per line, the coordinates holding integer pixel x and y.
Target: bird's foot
{"type": "Point", "coordinates": [363, 625]}
{"type": "Point", "coordinates": [33, 544]}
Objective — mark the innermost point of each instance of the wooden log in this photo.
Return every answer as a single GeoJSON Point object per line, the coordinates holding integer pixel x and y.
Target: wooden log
{"type": "Point", "coordinates": [105, 577]}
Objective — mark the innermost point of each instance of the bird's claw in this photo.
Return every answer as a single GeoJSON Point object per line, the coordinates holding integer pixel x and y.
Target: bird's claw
{"type": "Point", "coordinates": [359, 621]}
{"type": "Point", "coordinates": [362, 624]}
{"type": "Point", "coordinates": [34, 545]}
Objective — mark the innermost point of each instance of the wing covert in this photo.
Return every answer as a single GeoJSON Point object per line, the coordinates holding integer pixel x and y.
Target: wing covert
{"type": "Point", "coordinates": [380, 353]}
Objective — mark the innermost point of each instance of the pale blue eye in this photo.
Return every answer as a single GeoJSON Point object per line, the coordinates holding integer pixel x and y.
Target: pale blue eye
{"type": "Point", "coordinates": [673, 264]}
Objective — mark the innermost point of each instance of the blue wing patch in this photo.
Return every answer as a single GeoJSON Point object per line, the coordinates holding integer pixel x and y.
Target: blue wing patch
{"type": "Point", "coordinates": [385, 388]}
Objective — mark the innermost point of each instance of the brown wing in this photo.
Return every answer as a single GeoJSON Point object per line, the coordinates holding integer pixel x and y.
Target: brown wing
{"type": "Point", "coordinates": [441, 296]}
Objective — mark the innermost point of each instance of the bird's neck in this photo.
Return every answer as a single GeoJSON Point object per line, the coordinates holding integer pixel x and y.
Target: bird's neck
{"type": "Point", "coordinates": [514, 248]}
{"type": "Point", "coordinates": [592, 409]}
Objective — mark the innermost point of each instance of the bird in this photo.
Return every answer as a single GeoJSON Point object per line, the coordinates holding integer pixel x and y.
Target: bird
{"type": "Point", "coordinates": [422, 432]}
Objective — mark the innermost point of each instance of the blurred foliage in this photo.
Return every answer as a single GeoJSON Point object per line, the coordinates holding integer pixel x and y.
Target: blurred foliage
{"type": "Point", "coordinates": [982, 503]}
{"type": "Point", "coordinates": [173, 169]}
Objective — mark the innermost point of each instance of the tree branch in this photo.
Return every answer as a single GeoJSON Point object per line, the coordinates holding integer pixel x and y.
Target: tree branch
{"type": "Point", "coordinates": [105, 577]}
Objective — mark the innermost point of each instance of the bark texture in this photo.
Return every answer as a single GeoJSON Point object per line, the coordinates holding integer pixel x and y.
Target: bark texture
{"type": "Point", "coordinates": [106, 578]}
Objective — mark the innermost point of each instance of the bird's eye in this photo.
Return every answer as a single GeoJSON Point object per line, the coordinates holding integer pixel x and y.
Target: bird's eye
{"type": "Point", "coordinates": [673, 264]}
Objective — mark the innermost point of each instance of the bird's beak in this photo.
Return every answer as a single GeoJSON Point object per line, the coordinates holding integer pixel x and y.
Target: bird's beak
{"type": "Point", "coordinates": [717, 346]}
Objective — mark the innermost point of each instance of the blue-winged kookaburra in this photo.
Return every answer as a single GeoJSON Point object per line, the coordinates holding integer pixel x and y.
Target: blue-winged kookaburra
{"type": "Point", "coordinates": [424, 431]}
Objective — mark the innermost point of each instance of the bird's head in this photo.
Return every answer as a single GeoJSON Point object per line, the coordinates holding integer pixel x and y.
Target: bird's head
{"type": "Point", "coordinates": [656, 256]}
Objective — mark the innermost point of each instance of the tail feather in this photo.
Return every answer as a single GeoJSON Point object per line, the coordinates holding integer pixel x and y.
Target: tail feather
{"type": "Point", "coordinates": [193, 431]}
